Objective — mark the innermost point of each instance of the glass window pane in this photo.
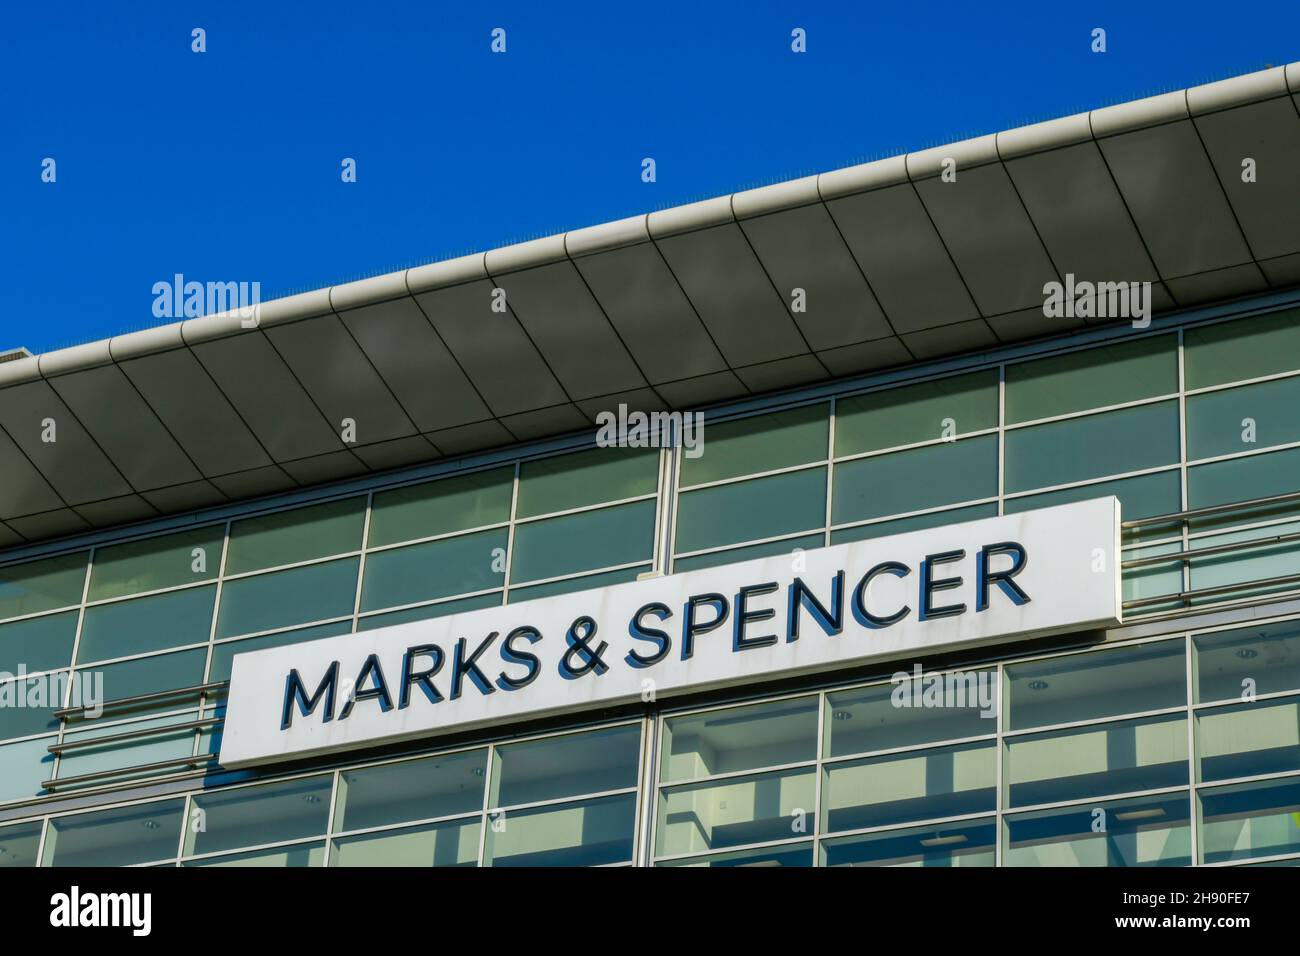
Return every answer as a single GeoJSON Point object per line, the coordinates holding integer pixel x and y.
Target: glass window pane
{"type": "Point", "coordinates": [144, 675]}
{"type": "Point", "coordinates": [223, 655]}
{"type": "Point", "coordinates": [889, 716]}
{"type": "Point", "coordinates": [910, 786]}
{"type": "Point", "coordinates": [302, 854]}
{"type": "Point", "coordinates": [1142, 497]}
{"type": "Point", "coordinates": [122, 837]}
{"type": "Point", "coordinates": [735, 555]}
{"type": "Point", "coordinates": [799, 854]}
{"type": "Point", "coordinates": [570, 585]}
{"type": "Point", "coordinates": [129, 753]}
{"type": "Point", "coordinates": [944, 408]}
{"type": "Point", "coordinates": [38, 643]}
{"type": "Point", "coordinates": [434, 569]}
{"type": "Point", "coordinates": [284, 598]}
{"type": "Point", "coordinates": [915, 480]}
{"type": "Point", "coordinates": [590, 833]}
{"type": "Point", "coordinates": [1147, 831]}
{"type": "Point", "coordinates": [1250, 820]}
{"type": "Point", "coordinates": [156, 563]}
{"type": "Point", "coordinates": [428, 611]}
{"type": "Point", "coordinates": [442, 506]}
{"type": "Point", "coordinates": [24, 767]}
{"type": "Point", "coordinates": [795, 436]}
{"type": "Point", "coordinates": [969, 843]}
{"type": "Point", "coordinates": [736, 811]}
{"type": "Point", "coordinates": [1247, 565]}
{"type": "Point", "coordinates": [583, 541]}
{"type": "Point", "coordinates": [1098, 759]}
{"type": "Point", "coordinates": [749, 510]}
{"type": "Point", "coordinates": [1240, 349]}
{"type": "Point", "coordinates": [565, 766]}
{"type": "Point", "coordinates": [1249, 740]}
{"type": "Point", "coordinates": [146, 624]}
{"type": "Point", "coordinates": [252, 816]}
{"type": "Point", "coordinates": [454, 843]}
{"type": "Point", "coordinates": [935, 519]}
{"type": "Point", "coordinates": [1215, 419]}
{"type": "Point", "coordinates": [1268, 656]}
{"type": "Point", "coordinates": [1107, 683]}
{"type": "Point", "coordinates": [27, 706]}
{"type": "Point", "coordinates": [42, 585]}
{"type": "Point", "coordinates": [1077, 449]}
{"type": "Point", "coordinates": [424, 789]}
{"type": "Point", "coordinates": [739, 738]}
{"type": "Point", "coordinates": [1076, 381]}
{"type": "Point", "coordinates": [18, 844]}
{"type": "Point", "coordinates": [1241, 479]}
{"type": "Point", "coordinates": [287, 537]}
{"type": "Point", "coordinates": [586, 478]}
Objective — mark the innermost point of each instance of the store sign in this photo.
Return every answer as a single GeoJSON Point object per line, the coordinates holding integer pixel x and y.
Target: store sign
{"type": "Point", "coordinates": [963, 585]}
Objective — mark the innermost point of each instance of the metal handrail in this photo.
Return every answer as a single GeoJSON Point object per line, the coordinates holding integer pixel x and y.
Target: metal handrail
{"type": "Point", "coordinates": [140, 768]}
{"type": "Point", "coordinates": [145, 698]}
{"type": "Point", "coordinates": [1185, 596]}
{"type": "Point", "coordinates": [1186, 556]}
{"type": "Point", "coordinates": [1212, 510]}
{"type": "Point", "coordinates": [133, 735]}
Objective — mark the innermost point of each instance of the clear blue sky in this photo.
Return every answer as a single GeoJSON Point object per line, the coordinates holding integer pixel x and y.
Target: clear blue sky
{"type": "Point", "coordinates": [224, 166]}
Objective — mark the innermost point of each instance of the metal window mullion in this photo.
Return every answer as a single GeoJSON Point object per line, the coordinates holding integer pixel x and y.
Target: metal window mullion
{"type": "Point", "coordinates": [72, 661]}
{"type": "Point", "coordinates": [822, 708]}
{"type": "Point", "coordinates": [510, 548]}
{"type": "Point", "coordinates": [999, 763]}
{"type": "Point", "coordinates": [487, 778]}
{"type": "Point", "coordinates": [1002, 437]}
{"type": "Point", "coordinates": [830, 470]}
{"type": "Point", "coordinates": [1192, 762]}
{"type": "Point", "coordinates": [334, 791]}
{"type": "Point", "coordinates": [361, 572]}
{"type": "Point", "coordinates": [212, 632]}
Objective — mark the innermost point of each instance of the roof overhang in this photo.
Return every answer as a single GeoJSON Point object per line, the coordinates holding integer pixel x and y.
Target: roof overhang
{"type": "Point", "coordinates": [673, 309]}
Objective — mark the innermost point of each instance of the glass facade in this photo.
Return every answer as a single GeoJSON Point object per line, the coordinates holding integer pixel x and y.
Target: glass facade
{"type": "Point", "coordinates": [1154, 736]}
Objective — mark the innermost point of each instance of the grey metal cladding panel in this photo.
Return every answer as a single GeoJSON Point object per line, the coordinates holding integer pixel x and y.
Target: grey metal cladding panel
{"type": "Point", "coordinates": [990, 238]}
{"type": "Point", "coordinates": [1175, 198]}
{"type": "Point", "coordinates": [1080, 214]}
{"type": "Point", "coordinates": [341, 380]}
{"type": "Point", "coordinates": [492, 348]}
{"type": "Point", "coordinates": [891, 236]}
{"type": "Point", "coordinates": [125, 427]}
{"type": "Point", "coordinates": [733, 295]}
{"type": "Point", "coordinates": [650, 311]}
{"type": "Point", "coordinates": [72, 463]}
{"type": "Point", "coordinates": [49, 524]}
{"type": "Point", "coordinates": [115, 511]}
{"type": "Point", "coordinates": [568, 328]}
{"type": "Point", "coordinates": [401, 343]}
{"type": "Point", "coordinates": [802, 249]}
{"type": "Point", "coordinates": [22, 489]}
{"type": "Point", "coordinates": [1269, 208]}
{"type": "Point", "coordinates": [267, 397]}
{"type": "Point", "coordinates": [194, 410]}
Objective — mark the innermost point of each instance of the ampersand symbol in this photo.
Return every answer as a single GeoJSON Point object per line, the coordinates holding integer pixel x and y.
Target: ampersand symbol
{"type": "Point", "coordinates": [578, 638]}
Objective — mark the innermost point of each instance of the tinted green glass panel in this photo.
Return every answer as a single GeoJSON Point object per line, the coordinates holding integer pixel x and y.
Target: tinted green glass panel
{"type": "Point", "coordinates": [799, 854]}
{"type": "Point", "coordinates": [716, 558]}
{"type": "Point", "coordinates": [583, 541]}
{"type": "Point", "coordinates": [156, 563]}
{"type": "Point", "coordinates": [159, 745]}
{"type": "Point", "coordinates": [224, 654]}
{"type": "Point", "coordinates": [1268, 656]}
{"type": "Point", "coordinates": [748, 510]}
{"type": "Point", "coordinates": [1256, 563]}
{"type": "Point", "coordinates": [39, 643]}
{"type": "Point", "coordinates": [1241, 479]}
{"type": "Point", "coordinates": [1250, 820]}
{"type": "Point", "coordinates": [569, 765]}
{"type": "Point", "coordinates": [434, 569]}
{"type": "Point", "coordinates": [284, 598]}
{"type": "Point", "coordinates": [1214, 419]}
{"type": "Point", "coordinates": [424, 789]}
{"type": "Point", "coordinates": [1097, 759]}
{"type": "Point", "coordinates": [569, 585]}
{"type": "Point", "coordinates": [1245, 348]}
{"type": "Point", "coordinates": [590, 833]}
{"type": "Point", "coordinates": [744, 446]}
{"type": "Point", "coordinates": [735, 811]}
{"type": "Point", "coordinates": [146, 624]}
{"type": "Point", "coordinates": [24, 767]}
{"type": "Point", "coordinates": [586, 478]}
{"type": "Point", "coordinates": [427, 611]}
{"type": "Point", "coordinates": [1076, 381]}
{"type": "Point", "coordinates": [18, 844]}
{"type": "Point", "coordinates": [915, 480]}
{"type": "Point", "coordinates": [1147, 831]}
{"type": "Point", "coordinates": [1081, 448]}
{"type": "Point", "coordinates": [871, 718]}
{"type": "Point", "coordinates": [926, 412]}
{"type": "Point", "coordinates": [739, 738]}
{"type": "Point", "coordinates": [302, 854]}
{"type": "Point", "coordinates": [917, 785]}
{"type": "Point", "coordinates": [27, 706]}
{"type": "Point", "coordinates": [972, 843]}
{"type": "Point", "coordinates": [146, 675]}
{"type": "Point", "coordinates": [1107, 683]}
{"type": "Point", "coordinates": [454, 843]}
{"type": "Point", "coordinates": [1249, 740]}
{"type": "Point", "coordinates": [936, 519]}
{"type": "Point", "coordinates": [252, 816]}
{"type": "Point", "coordinates": [287, 537]}
{"type": "Point", "coordinates": [441, 507]}
{"type": "Point", "coordinates": [1142, 497]}
{"type": "Point", "coordinates": [42, 585]}
{"type": "Point", "coordinates": [121, 837]}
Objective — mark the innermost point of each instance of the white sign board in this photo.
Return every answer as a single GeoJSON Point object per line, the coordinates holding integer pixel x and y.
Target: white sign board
{"type": "Point", "coordinates": [963, 585]}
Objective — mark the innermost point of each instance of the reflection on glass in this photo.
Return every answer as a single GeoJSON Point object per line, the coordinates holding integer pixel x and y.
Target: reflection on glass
{"type": "Point", "coordinates": [434, 569]}
{"type": "Point", "coordinates": [745, 446]}
{"type": "Point", "coordinates": [301, 854]}
{"type": "Point", "coordinates": [583, 541]}
{"type": "Point", "coordinates": [300, 534]}
{"type": "Point", "coordinates": [1249, 739]}
{"type": "Point", "coordinates": [798, 854]}
{"type": "Point", "coordinates": [585, 833]}
{"type": "Point", "coordinates": [454, 843]}
{"type": "Point", "coordinates": [1147, 831]}
{"type": "Point", "coordinates": [1250, 820]}
{"type": "Point", "coordinates": [121, 837]}
{"type": "Point", "coordinates": [739, 738]}
{"type": "Point", "coordinates": [124, 628]}
{"type": "Point", "coordinates": [960, 704]}
{"type": "Point", "coordinates": [751, 510]}
{"type": "Point", "coordinates": [441, 507]}
{"type": "Point", "coordinates": [736, 811]}
{"type": "Point", "coordinates": [554, 767]}
{"type": "Point", "coordinates": [441, 786]}
{"type": "Point", "coordinates": [155, 563]}
{"type": "Point", "coordinates": [916, 785]}
{"type": "Point", "coordinates": [18, 844]}
{"type": "Point", "coordinates": [252, 816]}
{"type": "Point", "coordinates": [945, 407]}
{"type": "Point", "coordinates": [315, 592]}
{"type": "Point", "coordinates": [1262, 659]}
{"type": "Point", "coordinates": [44, 585]}
{"type": "Point", "coordinates": [968, 843]}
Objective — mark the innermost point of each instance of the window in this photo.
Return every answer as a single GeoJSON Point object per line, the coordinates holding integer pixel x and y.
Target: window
{"type": "Point", "coordinates": [944, 408]}
{"type": "Point", "coordinates": [152, 564]}
{"type": "Point", "coordinates": [289, 537]}
{"type": "Point", "coordinates": [1092, 378]}
{"type": "Point", "coordinates": [441, 507]}
{"type": "Point", "coordinates": [142, 833]}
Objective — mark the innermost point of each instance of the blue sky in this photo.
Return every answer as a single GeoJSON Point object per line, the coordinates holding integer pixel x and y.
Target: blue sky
{"type": "Point", "coordinates": [225, 165]}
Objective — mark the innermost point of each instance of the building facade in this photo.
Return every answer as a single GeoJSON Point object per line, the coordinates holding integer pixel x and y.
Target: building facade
{"type": "Point", "coordinates": [1170, 737]}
